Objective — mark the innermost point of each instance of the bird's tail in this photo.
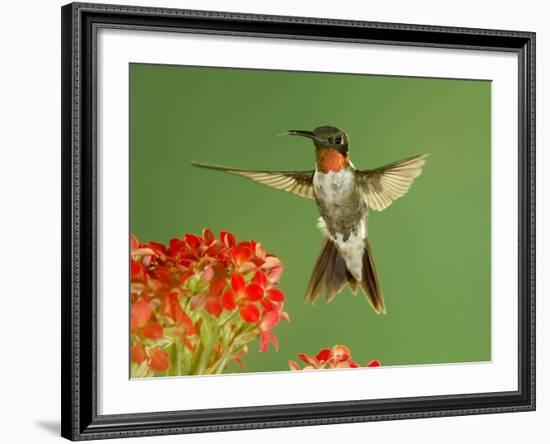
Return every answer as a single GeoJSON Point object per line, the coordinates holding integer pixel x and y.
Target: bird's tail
{"type": "Point", "coordinates": [369, 283]}
{"type": "Point", "coordinates": [330, 275]}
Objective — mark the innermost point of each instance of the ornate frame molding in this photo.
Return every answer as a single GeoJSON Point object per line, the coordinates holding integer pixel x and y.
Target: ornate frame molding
{"type": "Point", "coordinates": [80, 22]}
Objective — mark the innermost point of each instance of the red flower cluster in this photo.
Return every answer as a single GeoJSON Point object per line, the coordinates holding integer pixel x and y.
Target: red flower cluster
{"type": "Point", "coordinates": [336, 357]}
{"type": "Point", "coordinates": [201, 295]}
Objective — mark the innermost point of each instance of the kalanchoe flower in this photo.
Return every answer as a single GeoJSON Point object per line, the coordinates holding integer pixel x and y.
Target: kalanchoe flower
{"type": "Point", "coordinates": [270, 320]}
{"type": "Point", "coordinates": [138, 353]}
{"type": "Point", "coordinates": [336, 357]}
{"type": "Point", "coordinates": [199, 289]}
{"type": "Point", "coordinates": [159, 360]}
{"type": "Point", "coordinates": [156, 360]}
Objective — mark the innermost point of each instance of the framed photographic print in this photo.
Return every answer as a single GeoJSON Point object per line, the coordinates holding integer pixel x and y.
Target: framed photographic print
{"type": "Point", "coordinates": [277, 221]}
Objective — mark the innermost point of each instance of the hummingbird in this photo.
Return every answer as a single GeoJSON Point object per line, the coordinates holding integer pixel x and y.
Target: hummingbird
{"type": "Point", "coordinates": [343, 195]}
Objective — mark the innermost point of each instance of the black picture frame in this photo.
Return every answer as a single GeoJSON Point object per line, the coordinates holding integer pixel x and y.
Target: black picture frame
{"type": "Point", "coordinates": [79, 209]}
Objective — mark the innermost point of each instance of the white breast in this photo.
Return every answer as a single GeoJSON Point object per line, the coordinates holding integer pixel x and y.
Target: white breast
{"type": "Point", "coordinates": [332, 187]}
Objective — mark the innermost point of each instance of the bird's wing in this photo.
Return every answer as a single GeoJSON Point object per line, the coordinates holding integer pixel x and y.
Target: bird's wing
{"type": "Point", "coordinates": [381, 186]}
{"type": "Point", "coordinates": [297, 182]}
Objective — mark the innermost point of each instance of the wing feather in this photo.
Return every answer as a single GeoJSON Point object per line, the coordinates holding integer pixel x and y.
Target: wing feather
{"type": "Point", "coordinates": [297, 182]}
{"type": "Point", "coordinates": [381, 186]}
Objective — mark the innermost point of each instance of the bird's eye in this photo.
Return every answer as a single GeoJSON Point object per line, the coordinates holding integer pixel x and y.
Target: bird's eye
{"type": "Point", "coordinates": [338, 140]}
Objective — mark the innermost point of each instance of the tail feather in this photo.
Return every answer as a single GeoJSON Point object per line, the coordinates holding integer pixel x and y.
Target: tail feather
{"type": "Point", "coordinates": [316, 283]}
{"type": "Point", "coordinates": [337, 279]}
{"type": "Point", "coordinates": [330, 275]}
{"type": "Point", "coordinates": [370, 283]}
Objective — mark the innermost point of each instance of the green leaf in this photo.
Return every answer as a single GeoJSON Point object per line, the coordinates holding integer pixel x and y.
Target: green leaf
{"type": "Point", "coordinates": [245, 338]}
{"type": "Point", "coordinates": [141, 370]}
{"type": "Point", "coordinates": [206, 331]}
{"type": "Point", "coordinates": [165, 342]}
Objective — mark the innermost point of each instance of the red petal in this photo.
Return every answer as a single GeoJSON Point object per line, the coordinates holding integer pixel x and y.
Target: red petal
{"type": "Point", "coordinates": [276, 295]}
{"type": "Point", "coordinates": [214, 250]}
{"type": "Point", "coordinates": [213, 306]}
{"type": "Point", "coordinates": [208, 236]}
{"type": "Point", "coordinates": [159, 360]}
{"type": "Point", "coordinates": [374, 363]}
{"type": "Point", "coordinates": [173, 308]}
{"type": "Point", "coordinates": [170, 307]}
{"type": "Point", "coordinates": [158, 248]}
{"type": "Point", "coordinates": [267, 304]}
{"type": "Point", "coordinates": [228, 239]}
{"type": "Point", "coordinates": [340, 353]}
{"type": "Point", "coordinates": [192, 240]}
{"type": "Point", "coordinates": [274, 340]}
{"type": "Point", "coordinates": [163, 275]}
{"type": "Point", "coordinates": [264, 341]}
{"type": "Point", "coordinates": [353, 364]}
{"type": "Point", "coordinates": [187, 323]}
{"type": "Point", "coordinates": [240, 254]}
{"type": "Point", "coordinates": [228, 300]}
{"type": "Point", "coordinates": [175, 245]}
{"type": "Point", "coordinates": [254, 292]}
{"type": "Point", "coordinates": [258, 262]}
{"type": "Point", "coordinates": [323, 355]}
{"type": "Point", "coordinates": [137, 270]}
{"type": "Point", "coordinates": [141, 312]}
{"type": "Point", "coordinates": [153, 330]}
{"type": "Point", "coordinates": [309, 359]}
{"type": "Point", "coordinates": [270, 320]}
{"type": "Point", "coordinates": [138, 353]}
{"type": "Point", "coordinates": [266, 338]}
{"type": "Point", "coordinates": [217, 287]}
{"type": "Point", "coordinates": [237, 282]}
{"type": "Point", "coordinates": [250, 313]}
{"type": "Point", "coordinates": [260, 278]}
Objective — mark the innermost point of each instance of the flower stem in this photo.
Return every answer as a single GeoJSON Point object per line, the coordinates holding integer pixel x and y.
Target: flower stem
{"type": "Point", "coordinates": [179, 358]}
{"type": "Point", "coordinates": [220, 366]}
{"type": "Point", "coordinates": [205, 356]}
{"type": "Point", "coordinates": [209, 336]}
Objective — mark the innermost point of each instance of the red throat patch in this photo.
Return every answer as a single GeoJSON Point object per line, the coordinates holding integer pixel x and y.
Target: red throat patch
{"type": "Point", "coordinates": [330, 159]}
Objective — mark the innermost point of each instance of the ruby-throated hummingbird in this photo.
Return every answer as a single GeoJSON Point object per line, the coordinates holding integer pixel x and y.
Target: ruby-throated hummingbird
{"type": "Point", "coordinates": [343, 196]}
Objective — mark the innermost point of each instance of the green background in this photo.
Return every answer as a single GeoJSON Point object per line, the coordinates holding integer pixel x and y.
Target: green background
{"type": "Point", "coordinates": [432, 247]}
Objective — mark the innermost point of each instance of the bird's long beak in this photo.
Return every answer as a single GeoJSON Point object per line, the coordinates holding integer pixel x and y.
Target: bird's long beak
{"type": "Point", "coordinates": [302, 133]}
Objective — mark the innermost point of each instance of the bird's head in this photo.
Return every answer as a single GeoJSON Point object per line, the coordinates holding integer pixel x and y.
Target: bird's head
{"type": "Point", "coordinates": [331, 147]}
